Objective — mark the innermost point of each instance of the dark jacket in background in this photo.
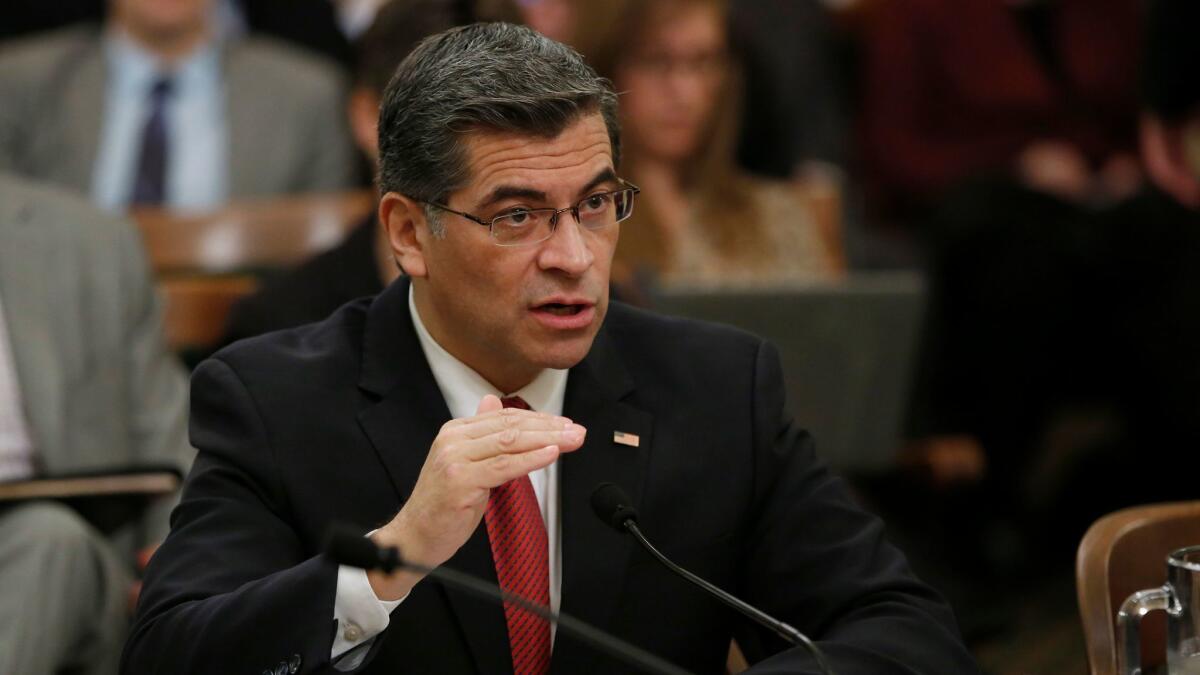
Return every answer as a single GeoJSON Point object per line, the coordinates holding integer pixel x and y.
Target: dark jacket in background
{"type": "Point", "coordinates": [313, 290]}
{"type": "Point", "coordinates": [792, 110]}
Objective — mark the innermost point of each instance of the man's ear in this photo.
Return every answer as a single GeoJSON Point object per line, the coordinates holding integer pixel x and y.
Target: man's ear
{"type": "Point", "coordinates": [1166, 155]}
{"type": "Point", "coordinates": [404, 221]}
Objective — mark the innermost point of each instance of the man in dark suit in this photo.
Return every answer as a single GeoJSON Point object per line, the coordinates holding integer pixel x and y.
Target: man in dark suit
{"type": "Point", "coordinates": [498, 155]}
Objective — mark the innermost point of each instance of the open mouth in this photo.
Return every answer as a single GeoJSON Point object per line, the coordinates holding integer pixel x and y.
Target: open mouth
{"type": "Point", "coordinates": [568, 316]}
{"type": "Point", "coordinates": [559, 309]}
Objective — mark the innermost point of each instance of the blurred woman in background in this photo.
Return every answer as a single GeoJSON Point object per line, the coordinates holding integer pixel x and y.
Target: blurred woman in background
{"type": "Point", "coordinates": [701, 221]}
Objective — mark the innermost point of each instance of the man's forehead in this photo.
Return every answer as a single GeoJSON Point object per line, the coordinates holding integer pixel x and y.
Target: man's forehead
{"type": "Point", "coordinates": [580, 151]}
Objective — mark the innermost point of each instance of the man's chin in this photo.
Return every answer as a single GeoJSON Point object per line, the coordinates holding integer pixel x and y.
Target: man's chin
{"type": "Point", "coordinates": [566, 354]}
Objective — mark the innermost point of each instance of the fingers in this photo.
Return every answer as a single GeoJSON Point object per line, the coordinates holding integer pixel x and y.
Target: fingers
{"type": "Point", "coordinates": [499, 444]}
{"type": "Point", "coordinates": [509, 418]}
{"type": "Point", "coordinates": [519, 440]}
{"type": "Point", "coordinates": [500, 469]}
{"type": "Point", "coordinates": [488, 404]}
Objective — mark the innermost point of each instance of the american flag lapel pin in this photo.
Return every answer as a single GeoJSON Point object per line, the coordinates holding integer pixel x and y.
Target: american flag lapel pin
{"type": "Point", "coordinates": [625, 438]}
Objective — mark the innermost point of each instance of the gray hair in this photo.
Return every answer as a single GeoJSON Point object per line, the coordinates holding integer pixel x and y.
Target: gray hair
{"type": "Point", "coordinates": [491, 76]}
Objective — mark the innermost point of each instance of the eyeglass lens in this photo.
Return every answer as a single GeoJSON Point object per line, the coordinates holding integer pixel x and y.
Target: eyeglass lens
{"type": "Point", "coordinates": [594, 212]}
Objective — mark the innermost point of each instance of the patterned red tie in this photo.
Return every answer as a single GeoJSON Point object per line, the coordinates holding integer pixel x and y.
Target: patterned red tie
{"type": "Point", "coordinates": [520, 552]}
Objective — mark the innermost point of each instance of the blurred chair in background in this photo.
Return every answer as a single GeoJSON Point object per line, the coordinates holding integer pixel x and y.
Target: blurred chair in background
{"type": "Point", "coordinates": [847, 348]}
{"type": "Point", "coordinates": [1122, 553]}
{"type": "Point", "coordinates": [206, 263]}
{"type": "Point", "coordinates": [702, 219]}
{"type": "Point", "coordinates": [86, 385]}
{"type": "Point", "coordinates": [154, 109]}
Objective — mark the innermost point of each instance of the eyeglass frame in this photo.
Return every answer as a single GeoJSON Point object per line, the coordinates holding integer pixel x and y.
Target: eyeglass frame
{"type": "Point", "coordinates": [573, 210]}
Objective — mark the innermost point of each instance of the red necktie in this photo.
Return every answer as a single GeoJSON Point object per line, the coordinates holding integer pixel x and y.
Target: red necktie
{"type": "Point", "coordinates": [520, 552]}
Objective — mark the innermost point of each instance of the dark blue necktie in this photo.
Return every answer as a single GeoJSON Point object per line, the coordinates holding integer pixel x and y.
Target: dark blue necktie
{"type": "Point", "coordinates": [150, 181]}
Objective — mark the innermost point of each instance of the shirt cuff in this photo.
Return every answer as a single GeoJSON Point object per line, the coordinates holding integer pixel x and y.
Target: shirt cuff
{"type": "Point", "coordinates": [359, 613]}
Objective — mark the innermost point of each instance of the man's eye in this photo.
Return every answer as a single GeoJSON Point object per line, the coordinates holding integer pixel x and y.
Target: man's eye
{"type": "Point", "coordinates": [596, 202]}
{"type": "Point", "coordinates": [517, 217]}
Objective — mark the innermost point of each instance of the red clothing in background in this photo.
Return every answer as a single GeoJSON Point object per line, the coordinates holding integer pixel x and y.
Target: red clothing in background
{"type": "Point", "coordinates": [956, 87]}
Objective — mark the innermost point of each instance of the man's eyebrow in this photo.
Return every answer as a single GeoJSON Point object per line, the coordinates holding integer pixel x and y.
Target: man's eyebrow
{"type": "Point", "coordinates": [503, 192]}
{"type": "Point", "coordinates": [605, 176]}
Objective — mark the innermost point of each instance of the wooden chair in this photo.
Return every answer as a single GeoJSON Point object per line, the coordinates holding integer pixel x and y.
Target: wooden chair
{"type": "Point", "coordinates": [1122, 553]}
{"type": "Point", "coordinates": [260, 234]}
{"type": "Point", "coordinates": [205, 262]}
{"type": "Point", "coordinates": [195, 308]}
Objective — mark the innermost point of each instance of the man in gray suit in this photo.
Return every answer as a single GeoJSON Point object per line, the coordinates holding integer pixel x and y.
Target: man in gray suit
{"type": "Point", "coordinates": [86, 384]}
{"type": "Point", "coordinates": [156, 109]}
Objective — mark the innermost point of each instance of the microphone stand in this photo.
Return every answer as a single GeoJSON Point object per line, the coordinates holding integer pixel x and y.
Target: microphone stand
{"type": "Point", "coordinates": [783, 630]}
{"type": "Point", "coordinates": [389, 559]}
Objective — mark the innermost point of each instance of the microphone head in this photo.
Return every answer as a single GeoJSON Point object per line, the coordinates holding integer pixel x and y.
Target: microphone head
{"type": "Point", "coordinates": [613, 506]}
{"type": "Point", "coordinates": [347, 546]}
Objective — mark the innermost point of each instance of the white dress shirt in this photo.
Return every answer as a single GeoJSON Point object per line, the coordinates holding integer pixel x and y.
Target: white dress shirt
{"type": "Point", "coordinates": [360, 614]}
{"type": "Point", "coordinates": [197, 134]}
{"type": "Point", "coordinates": [16, 447]}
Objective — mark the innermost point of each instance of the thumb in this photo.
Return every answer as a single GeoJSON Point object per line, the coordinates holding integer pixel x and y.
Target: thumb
{"type": "Point", "coordinates": [489, 404]}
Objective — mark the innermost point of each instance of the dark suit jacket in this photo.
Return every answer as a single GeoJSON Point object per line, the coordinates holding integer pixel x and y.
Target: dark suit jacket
{"type": "Point", "coordinates": [333, 421]}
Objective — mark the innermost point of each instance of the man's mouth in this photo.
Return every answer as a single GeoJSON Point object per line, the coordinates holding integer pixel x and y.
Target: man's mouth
{"type": "Point", "coordinates": [565, 313]}
{"type": "Point", "coordinates": [560, 309]}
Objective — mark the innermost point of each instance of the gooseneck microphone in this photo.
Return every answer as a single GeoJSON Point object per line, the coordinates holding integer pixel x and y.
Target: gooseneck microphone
{"type": "Point", "coordinates": [613, 506]}
{"type": "Point", "coordinates": [346, 545]}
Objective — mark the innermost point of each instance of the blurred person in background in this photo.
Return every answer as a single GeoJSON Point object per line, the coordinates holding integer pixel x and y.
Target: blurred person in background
{"type": "Point", "coordinates": [1151, 283]}
{"type": "Point", "coordinates": [703, 220]}
{"type": "Point", "coordinates": [86, 385]}
{"type": "Point", "coordinates": [1062, 368]}
{"type": "Point", "coordinates": [553, 18]}
{"type": "Point", "coordinates": [154, 109]}
{"type": "Point", "coordinates": [999, 129]}
{"type": "Point", "coordinates": [362, 264]}
{"type": "Point", "coordinates": [1039, 92]}
{"type": "Point", "coordinates": [792, 118]}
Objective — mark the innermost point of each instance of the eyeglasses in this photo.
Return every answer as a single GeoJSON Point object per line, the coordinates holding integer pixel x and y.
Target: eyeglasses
{"type": "Point", "coordinates": [524, 227]}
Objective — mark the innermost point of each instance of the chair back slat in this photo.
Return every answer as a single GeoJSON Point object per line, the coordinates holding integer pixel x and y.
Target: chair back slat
{"type": "Point", "coordinates": [1121, 553]}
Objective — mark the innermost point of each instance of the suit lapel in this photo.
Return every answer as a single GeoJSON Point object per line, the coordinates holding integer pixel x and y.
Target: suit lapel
{"type": "Point", "coordinates": [404, 422]}
{"type": "Point", "coordinates": [594, 556]}
{"type": "Point", "coordinates": [402, 426]}
{"type": "Point", "coordinates": [248, 118]}
{"type": "Point", "coordinates": [77, 138]}
{"type": "Point", "coordinates": [24, 259]}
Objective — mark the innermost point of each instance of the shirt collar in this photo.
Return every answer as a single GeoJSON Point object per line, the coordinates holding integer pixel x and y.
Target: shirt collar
{"type": "Point", "coordinates": [134, 69]}
{"type": "Point", "coordinates": [462, 387]}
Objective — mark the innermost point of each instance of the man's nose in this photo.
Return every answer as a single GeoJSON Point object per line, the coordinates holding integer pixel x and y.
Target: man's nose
{"type": "Point", "coordinates": [567, 248]}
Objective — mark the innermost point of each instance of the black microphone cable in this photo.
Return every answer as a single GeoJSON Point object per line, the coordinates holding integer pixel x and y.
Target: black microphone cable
{"type": "Point", "coordinates": [614, 507]}
{"type": "Point", "coordinates": [347, 545]}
